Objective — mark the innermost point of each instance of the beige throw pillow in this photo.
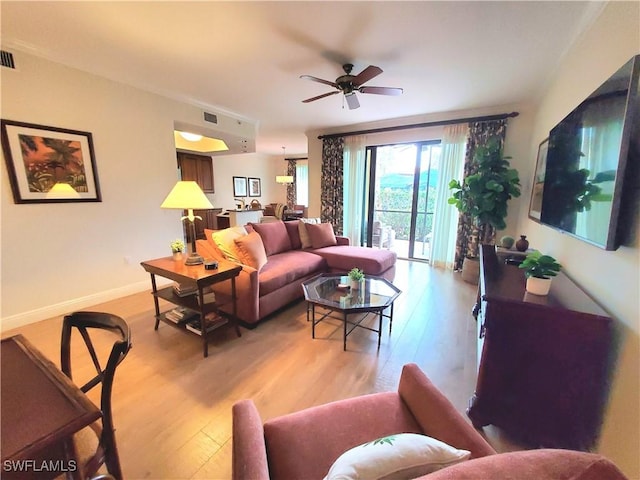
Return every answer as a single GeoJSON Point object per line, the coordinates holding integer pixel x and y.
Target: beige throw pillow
{"type": "Point", "coordinates": [400, 456]}
{"type": "Point", "coordinates": [224, 239]}
{"type": "Point", "coordinates": [302, 229]}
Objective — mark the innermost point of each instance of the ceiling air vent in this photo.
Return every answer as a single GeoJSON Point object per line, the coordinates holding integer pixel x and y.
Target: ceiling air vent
{"type": "Point", "coordinates": [210, 117]}
{"type": "Point", "coordinates": [7, 59]}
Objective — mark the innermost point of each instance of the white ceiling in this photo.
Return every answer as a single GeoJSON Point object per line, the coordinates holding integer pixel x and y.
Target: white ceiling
{"type": "Point", "coordinates": [245, 58]}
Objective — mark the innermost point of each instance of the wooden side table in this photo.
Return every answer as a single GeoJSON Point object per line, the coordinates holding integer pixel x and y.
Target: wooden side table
{"type": "Point", "coordinates": [198, 276]}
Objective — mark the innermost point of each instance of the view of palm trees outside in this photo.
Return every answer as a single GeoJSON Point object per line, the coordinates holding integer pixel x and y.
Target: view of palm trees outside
{"type": "Point", "coordinates": [405, 190]}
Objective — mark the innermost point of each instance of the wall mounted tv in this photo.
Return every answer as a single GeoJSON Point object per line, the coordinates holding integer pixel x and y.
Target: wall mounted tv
{"type": "Point", "coordinates": [591, 164]}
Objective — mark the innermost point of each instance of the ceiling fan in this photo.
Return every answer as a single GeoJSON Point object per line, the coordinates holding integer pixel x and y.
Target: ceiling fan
{"type": "Point", "coordinates": [350, 84]}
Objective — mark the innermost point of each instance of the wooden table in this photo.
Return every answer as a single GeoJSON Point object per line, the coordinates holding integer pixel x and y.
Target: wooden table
{"type": "Point", "coordinates": [198, 276]}
{"type": "Point", "coordinates": [41, 410]}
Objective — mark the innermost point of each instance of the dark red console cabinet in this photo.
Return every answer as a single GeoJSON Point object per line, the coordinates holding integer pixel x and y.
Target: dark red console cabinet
{"type": "Point", "coordinates": [544, 361]}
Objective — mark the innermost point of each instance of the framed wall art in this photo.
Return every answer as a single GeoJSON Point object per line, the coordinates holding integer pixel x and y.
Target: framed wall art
{"type": "Point", "coordinates": [49, 164]}
{"type": "Point", "coordinates": [535, 204]}
{"type": "Point", "coordinates": [239, 186]}
{"type": "Point", "coordinates": [255, 188]}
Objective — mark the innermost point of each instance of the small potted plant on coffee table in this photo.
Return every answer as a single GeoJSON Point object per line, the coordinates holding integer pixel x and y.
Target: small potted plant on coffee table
{"type": "Point", "coordinates": [355, 276]}
{"type": "Point", "coordinates": [177, 247]}
{"type": "Point", "coordinates": [539, 270]}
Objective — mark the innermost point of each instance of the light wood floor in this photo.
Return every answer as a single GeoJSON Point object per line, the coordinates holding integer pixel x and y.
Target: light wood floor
{"type": "Point", "coordinates": [172, 407]}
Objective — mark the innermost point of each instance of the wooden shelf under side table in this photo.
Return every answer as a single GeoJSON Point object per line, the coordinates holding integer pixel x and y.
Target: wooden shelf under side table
{"type": "Point", "coordinates": [200, 277]}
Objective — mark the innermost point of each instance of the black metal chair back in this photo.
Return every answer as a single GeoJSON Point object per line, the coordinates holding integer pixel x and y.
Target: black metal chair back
{"type": "Point", "coordinates": [85, 322]}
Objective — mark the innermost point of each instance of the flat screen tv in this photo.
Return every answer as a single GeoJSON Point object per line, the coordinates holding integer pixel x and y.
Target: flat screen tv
{"type": "Point", "coordinates": [591, 160]}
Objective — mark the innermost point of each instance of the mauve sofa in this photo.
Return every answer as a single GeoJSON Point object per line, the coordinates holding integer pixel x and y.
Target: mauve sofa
{"type": "Point", "coordinates": [261, 292]}
{"type": "Point", "coordinates": [305, 444]}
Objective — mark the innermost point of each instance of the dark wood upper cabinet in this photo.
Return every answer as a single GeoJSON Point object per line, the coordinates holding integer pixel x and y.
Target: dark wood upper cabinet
{"type": "Point", "coordinates": [198, 168]}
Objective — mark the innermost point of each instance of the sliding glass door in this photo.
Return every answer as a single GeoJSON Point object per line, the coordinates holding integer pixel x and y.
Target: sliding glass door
{"type": "Point", "coordinates": [402, 182]}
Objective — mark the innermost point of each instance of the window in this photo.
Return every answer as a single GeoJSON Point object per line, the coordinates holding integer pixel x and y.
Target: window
{"type": "Point", "coordinates": [302, 183]}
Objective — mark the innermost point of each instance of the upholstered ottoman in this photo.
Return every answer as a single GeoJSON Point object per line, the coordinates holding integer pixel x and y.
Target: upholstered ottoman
{"type": "Point", "coordinates": [372, 261]}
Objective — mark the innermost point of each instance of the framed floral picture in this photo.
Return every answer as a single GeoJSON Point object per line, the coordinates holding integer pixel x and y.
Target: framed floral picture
{"type": "Point", "coordinates": [535, 204]}
{"type": "Point", "coordinates": [255, 188]}
{"type": "Point", "coordinates": [49, 164]}
{"type": "Point", "coordinates": [239, 186]}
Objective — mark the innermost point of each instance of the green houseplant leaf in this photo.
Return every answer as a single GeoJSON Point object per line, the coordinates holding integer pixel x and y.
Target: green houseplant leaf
{"type": "Point", "coordinates": [484, 194]}
{"type": "Point", "coordinates": [540, 266]}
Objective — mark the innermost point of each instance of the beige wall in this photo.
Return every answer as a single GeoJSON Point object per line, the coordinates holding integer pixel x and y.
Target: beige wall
{"type": "Point", "coordinates": [264, 167]}
{"type": "Point", "coordinates": [611, 278]}
{"type": "Point", "coordinates": [61, 257]}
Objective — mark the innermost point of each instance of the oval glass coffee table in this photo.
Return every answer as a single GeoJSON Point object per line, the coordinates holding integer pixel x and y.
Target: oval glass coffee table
{"type": "Point", "coordinates": [328, 291]}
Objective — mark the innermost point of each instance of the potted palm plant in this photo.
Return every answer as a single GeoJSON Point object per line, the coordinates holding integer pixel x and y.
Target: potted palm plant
{"type": "Point", "coordinates": [539, 270]}
{"type": "Point", "coordinates": [484, 194]}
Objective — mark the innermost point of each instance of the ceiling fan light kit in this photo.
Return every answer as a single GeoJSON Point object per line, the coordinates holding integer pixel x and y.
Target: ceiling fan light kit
{"type": "Point", "coordinates": [348, 85]}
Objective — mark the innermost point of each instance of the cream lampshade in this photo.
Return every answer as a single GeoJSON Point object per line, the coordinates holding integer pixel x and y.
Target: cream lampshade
{"type": "Point", "coordinates": [187, 195]}
{"type": "Point", "coordinates": [284, 179]}
{"type": "Point", "coordinates": [62, 190]}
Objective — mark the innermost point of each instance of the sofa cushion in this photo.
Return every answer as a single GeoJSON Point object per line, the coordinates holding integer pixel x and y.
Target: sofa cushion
{"type": "Point", "coordinates": [403, 455]}
{"type": "Point", "coordinates": [294, 233]}
{"type": "Point", "coordinates": [302, 228]}
{"type": "Point", "coordinates": [321, 235]}
{"type": "Point", "coordinates": [321, 434]}
{"type": "Point", "coordinates": [251, 250]}
{"type": "Point", "coordinates": [343, 258]}
{"type": "Point", "coordinates": [288, 267]}
{"type": "Point", "coordinates": [224, 239]}
{"type": "Point", "coordinates": [274, 236]}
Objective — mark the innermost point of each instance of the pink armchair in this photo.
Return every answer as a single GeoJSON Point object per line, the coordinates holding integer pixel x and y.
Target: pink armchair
{"type": "Point", "coordinates": [304, 445]}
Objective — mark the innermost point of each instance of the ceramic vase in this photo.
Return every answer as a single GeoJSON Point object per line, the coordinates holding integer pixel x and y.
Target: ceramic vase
{"type": "Point", "coordinates": [177, 256]}
{"type": "Point", "coordinates": [355, 284]}
{"type": "Point", "coordinates": [538, 286]}
{"type": "Point", "coordinates": [522, 244]}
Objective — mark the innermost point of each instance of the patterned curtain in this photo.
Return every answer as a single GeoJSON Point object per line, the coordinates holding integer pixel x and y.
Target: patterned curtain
{"type": "Point", "coordinates": [291, 188]}
{"type": "Point", "coordinates": [331, 193]}
{"type": "Point", "coordinates": [469, 236]}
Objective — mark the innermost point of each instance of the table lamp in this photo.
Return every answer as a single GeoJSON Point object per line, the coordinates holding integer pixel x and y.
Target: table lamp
{"type": "Point", "coordinates": [187, 195]}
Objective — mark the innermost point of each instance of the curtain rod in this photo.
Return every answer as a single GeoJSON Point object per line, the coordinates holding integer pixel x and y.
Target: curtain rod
{"type": "Point", "coordinates": [486, 118]}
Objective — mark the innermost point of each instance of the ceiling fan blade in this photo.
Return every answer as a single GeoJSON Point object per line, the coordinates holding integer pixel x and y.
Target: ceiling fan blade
{"type": "Point", "coordinates": [367, 74]}
{"type": "Point", "coordinates": [319, 80]}
{"type": "Point", "coordinates": [381, 90]}
{"type": "Point", "coordinates": [312, 99]}
{"type": "Point", "coordinates": [352, 101]}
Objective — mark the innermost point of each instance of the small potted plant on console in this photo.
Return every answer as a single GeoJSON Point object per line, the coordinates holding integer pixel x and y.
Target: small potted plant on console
{"type": "Point", "coordinates": [539, 269]}
{"type": "Point", "coordinates": [177, 247]}
{"type": "Point", "coordinates": [355, 276]}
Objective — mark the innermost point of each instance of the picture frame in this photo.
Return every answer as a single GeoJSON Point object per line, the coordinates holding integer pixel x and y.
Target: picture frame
{"type": "Point", "coordinates": [49, 164]}
{"type": "Point", "coordinates": [537, 187]}
{"type": "Point", "coordinates": [255, 187]}
{"type": "Point", "coordinates": [239, 186]}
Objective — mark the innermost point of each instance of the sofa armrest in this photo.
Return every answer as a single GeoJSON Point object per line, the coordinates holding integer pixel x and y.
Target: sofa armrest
{"type": "Point", "coordinates": [543, 464]}
{"type": "Point", "coordinates": [436, 415]}
{"type": "Point", "coordinates": [249, 453]}
{"type": "Point", "coordinates": [343, 240]}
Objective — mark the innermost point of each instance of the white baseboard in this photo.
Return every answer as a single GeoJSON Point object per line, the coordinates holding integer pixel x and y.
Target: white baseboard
{"type": "Point", "coordinates": [32, 316]}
